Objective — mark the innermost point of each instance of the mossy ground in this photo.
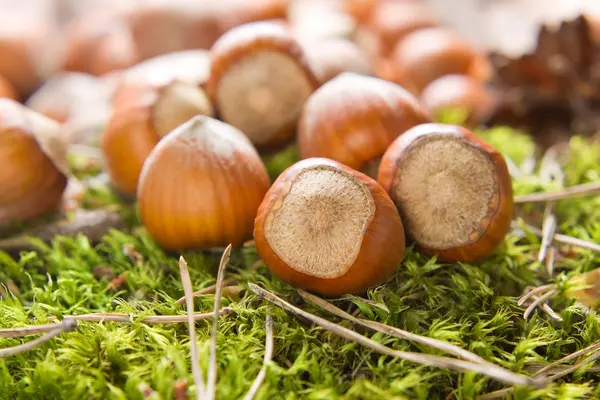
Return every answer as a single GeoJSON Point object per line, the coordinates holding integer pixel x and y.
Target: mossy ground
{"type": "Point", "coordinates": [473, 306]}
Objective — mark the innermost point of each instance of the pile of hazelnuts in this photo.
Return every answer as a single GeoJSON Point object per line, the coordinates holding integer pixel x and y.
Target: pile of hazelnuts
{"type": "Point", "coordinates": [187, 131]}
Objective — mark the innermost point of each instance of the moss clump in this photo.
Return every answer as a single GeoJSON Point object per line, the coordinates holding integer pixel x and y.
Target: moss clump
{"type": "Point", "coordinates": [473, 306]}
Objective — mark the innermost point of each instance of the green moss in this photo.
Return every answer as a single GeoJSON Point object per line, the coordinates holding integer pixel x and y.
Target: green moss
{"type": "Point", "coordinates": [473, 306]}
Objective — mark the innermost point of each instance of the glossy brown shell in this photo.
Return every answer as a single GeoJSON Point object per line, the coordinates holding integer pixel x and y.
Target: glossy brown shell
{"type": "Point", "coordinates": [380, 254]}
{"type": "Point", "coordinates": [498, 222]}
{"type": "Point", "coordinates": [32, 185]}
{"type": "Point", "coordinates": [250, 39]}
{"type": "Point", "coordinates": [331, 57]}
{"type": "Point", "coordinates": [129, 136]}
{"type": "Point", "coordinates": [194, 196]}
{"type": "Point", "coordinates": [427, 54]}
{"type": "Point", "coordinates": [459, 91]}
{"type": "Point", "coordinates": [99, 45]}
{"type": "Point", "coordinates": [391, 21]}
{"type": "Point", "coordinates": [352, 119]}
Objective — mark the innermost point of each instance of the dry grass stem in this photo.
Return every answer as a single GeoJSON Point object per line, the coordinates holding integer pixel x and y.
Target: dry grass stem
{"type": "Point", "coordinates": [424, 359]}
{"type": "Point", "coordinates": [533, 292]}
{"type": "Point", "coordinates": [268, 355]}
{"type": "Point", "coordinates": [65, 326]}
{"type": "Point", "coordinates": [560, 238]}
{"type": "Point", "coordinates": [548, 231]}
{"type": "Point", "coordinates": [550, 260]}
{"type": "Point", "coordinates": [592, 348]}
{"type": "Point", "coordinates": [153, 319]}
{"type": "Point", "coordinates": [196, 369]}
{"type": "Point", "coordinates": [28, 330]}
{"type": "Point", "coordinates": [212, 288]}
{"type": "Point", "coordinates": [591, 358]}
{"type": "Point", "coordinates": [550, 171]}
{"type": "Point", "coordinates": [393, 331]}
{"type": "Point", "coordinates": [212, 367]}
{"type": "Point", "coordinates": [539, 300]}
{"type": "Point", "coordinates": [585, 189]}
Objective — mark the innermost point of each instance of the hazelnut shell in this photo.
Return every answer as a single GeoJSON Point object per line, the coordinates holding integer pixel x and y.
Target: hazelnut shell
{"type": "Point", "coordinates": [34, 173]}
{"type": "Point", "coordinates": [134, 129]}
{"type": "Point", "coordinates": [381, 249]}
{"type": "Point", "coordinates": [494, 225]}
{"type": "Point", "coordinates": [353, 119]}
{"type": "Point", "coordinates": [201, 186]}
{"type": "Point", "coordinates": [246, 41]}
{"type": "Point", "coordinates": [427, 54]}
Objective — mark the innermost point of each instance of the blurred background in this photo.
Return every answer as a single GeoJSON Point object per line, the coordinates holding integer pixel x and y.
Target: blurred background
{"type": "Point", "coordinates": [42, 40]}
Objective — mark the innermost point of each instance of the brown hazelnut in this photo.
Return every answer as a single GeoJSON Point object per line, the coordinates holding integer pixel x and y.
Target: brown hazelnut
{"type": "Point", "coordinates": [192, 66]}
{"type": "Point", "coordinates": [391, 21]}
{"type": "Point", "coordinates": [99, 44]}
{"type": "Point", "coordinates": [143, 114]}
{"type": "Point", "coordinates": [430, 53]}
{"type": "Point", "coordinates": [327, 228]}
{"type": "Point", "coordinates": [201, 186]}
{"type": "Point", "coordinates": [459, 92]}
{"type": "Point", "coordinates": [259, 81]}
{"type": "Point", "coordinates": [453, 191]}
{"type": "Point", "coordinates": [353, 118]}
{"type": "Point", "coordinates": [330, 57]}
{"type": "Point", "coordinates": [34, 169]}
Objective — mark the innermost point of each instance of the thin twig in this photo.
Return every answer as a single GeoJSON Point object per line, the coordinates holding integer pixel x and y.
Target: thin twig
{"type": "Point", "coordinates": [538, 301]}
{"type": "Point", "coordinates": [267, 359]}
{"type": "Point", "coordinates": [212, 366]}
{"type": "Point", "coordinates": [585, 189]}
{"type": "Point", "coordinates": [187, 289]}
{"type": "Point", "coordinates": [152, 319]}
{"type": "Point", "coordinates": [560, 238]}
{"type": "Point", "coordinates": [534, 291]}
{"type": "Point", "coordinates": [591, 348]}
{"type": "Point", "coordinates": [550, 170]}
{"type": "Point", "coordinates": [591, 358]}
{"type": "Point", "coordinates": [424, 359]}
{"type": "Point", "coordinates": [548, 231]}
{"type": "Point", "coordinates": [212, 288]}
{"type": "Point", "coordinates": [548, 310]}
{"type": "Point", "coordinates": [65, 326]}
{"type": "Point", "coordinates": [550, 260]}
{"type": "Point", "coordinates": [28, 330]}
{"type": "Point", "coordinates": [393, 331]}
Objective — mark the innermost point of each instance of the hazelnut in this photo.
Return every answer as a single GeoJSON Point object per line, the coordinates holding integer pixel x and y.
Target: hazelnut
{"type": "Point", "coordinates": [143, 114]}
{"type": "Point", "coordinates": [330, 57]}
{"type": "Point", "coordinates": [459, 92]}
{"type": "Point", "coordinates": [452, 189]}
{"type": "Point", "coordinates": [386, 70]}
{"type": "Point", "coordinates": [327, 228]}
{"type": "Point", "coordinates": [354, 118]}
{"type": "Point", "coordinates": [201, 186]}
{"type": "Point", "coordinates": [428, 54]}
{"type": "Point", "coordinates": [99, 44]}
{"type": "Point", "coordinates": [192, 66]}
{"type": "Point", "coordinates": [391, 21]}
{"type": "Point", "coordinates": [34, 169]}
{"type": "Point", "coordinates": [259, 81]}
